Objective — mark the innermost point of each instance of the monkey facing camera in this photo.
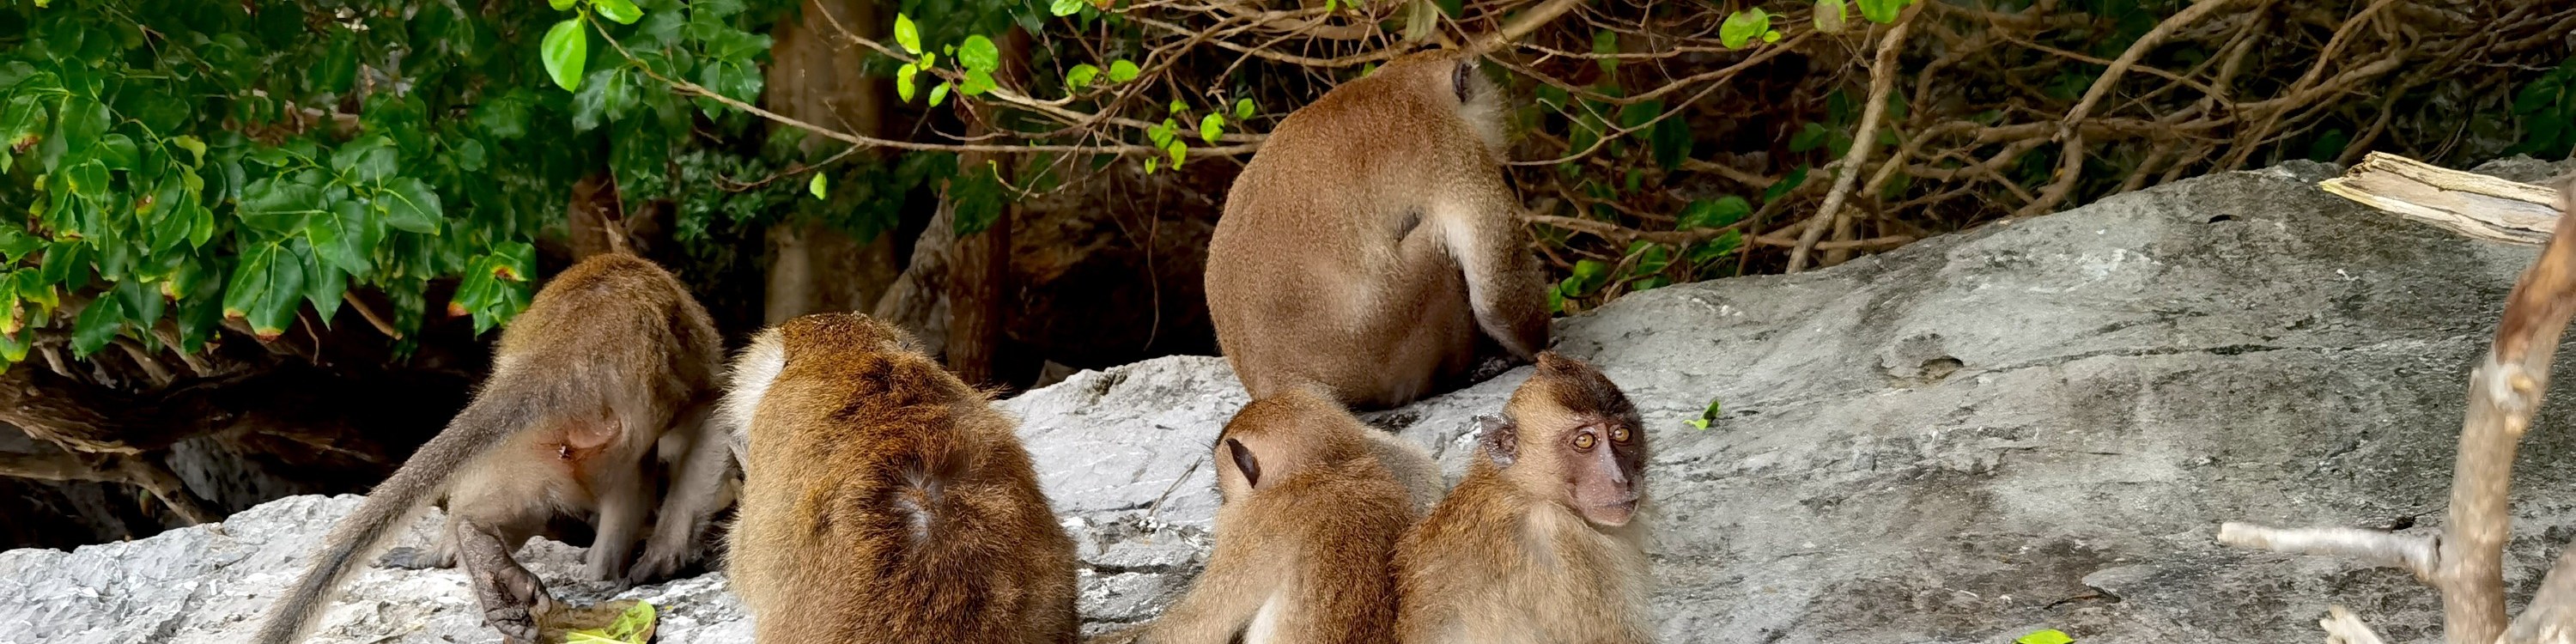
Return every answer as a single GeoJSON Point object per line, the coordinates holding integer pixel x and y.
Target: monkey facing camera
{"type": "Point", "coordinates": [1376, 222]}
{"type": "Point", "coordinates": [1544, 540]}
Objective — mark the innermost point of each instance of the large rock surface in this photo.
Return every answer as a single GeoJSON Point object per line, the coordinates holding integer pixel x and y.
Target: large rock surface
{"type": "Point", "coordinates": [2031, 425]}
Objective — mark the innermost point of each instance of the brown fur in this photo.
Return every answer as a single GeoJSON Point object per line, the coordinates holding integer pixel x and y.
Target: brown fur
{"type": "Point", "coordinates": [885, 500]}
{"type": "Point", "coordinates": [610, 361]}
{"type": "Point", "coordinates": [1511, 557]}
{"type": "Point", "coordinates": [1376, 223]}
{"type": "Point", "coordinates": [1307, 538]}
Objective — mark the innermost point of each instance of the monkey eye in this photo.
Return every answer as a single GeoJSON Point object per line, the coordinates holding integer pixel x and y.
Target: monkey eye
{"type": "Point", "coordinates": [1584, 441]}
{"type": "Point", "coordinates": [1619, 434]}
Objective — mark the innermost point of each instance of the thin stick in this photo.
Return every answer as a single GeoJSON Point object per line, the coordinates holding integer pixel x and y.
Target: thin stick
{"type": "Point", "coordinates": [2413, 553]}
{"type": "Point", "coordinates": [1882, 80]}
{"type": "Point", "coordinates": [2073, 153]}
{"type": "Point", "coordinates": [2343, 628]}
{"type": "Point", "coordinates": [378, 321]}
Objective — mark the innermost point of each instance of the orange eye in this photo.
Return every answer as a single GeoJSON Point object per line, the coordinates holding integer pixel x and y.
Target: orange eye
{"type": "Point", "coordinates": [1584, 441]}
{"type": "Point", "coordinates": [1618, 434]}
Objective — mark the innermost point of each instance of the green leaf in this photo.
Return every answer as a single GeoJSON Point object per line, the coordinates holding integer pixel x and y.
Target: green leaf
{"type": "Point", "coordinates": [278, 206]}
{"type": "Point", "coordinates": [1179, 151]}
{"type": "Point", "coordinates": [1450, 8]}
{"type": "Point", "coordinates": [622, 11]}
{"type": "Point", "coordinates": [816, 186]}
{"type": "Point", "coordinates": [118, 152]}
{"type": "Point", "coordinates": [906, 34]}
{"type": "Point", "coordinates": [339, 237]}
{"type": "Point", "coordinates": [1062, 8]}
{"type": "Point", "coordinates": [1080, 77]}
{"type": "Point", "coordinates": [1121, 71]}
{"type": "Point", "coordinates": [409, 205]}
{"type": "Point", "coordinates": [264, 288]}
{"type": "Point", "coordinates": [142, 304]}
{"type": "Point", "coordinates": [323, 284]}
{"type": "Point", "coordinates": [1881, 11]}
{"type": "Point", "coordinates": [565, 49]}
{"type": "Point", "coordinates": [196, 148]}
{"type": "Point", "coordinates": [1808, 137]}
{"type": "Point", "coordinates": [1713, 213]}
{"type": "Point", "coordinates": [365, 159]}
{"type": "Point", "coordinates": [22, 122]}
{"type": "Point", "coordinates": [1243, 109]}
{"type": "Point", "coordinates": [903, 85]}
{"type": "Point", "coordinates": [13, 347]}
{"type": "Point", "coordinates": [83, 121]}
{"type": "Point", "coordinates": [1606, 42]}
{"type": "Point", "coordinates": [1709, 415]}
{"type": "Point", "coordinates": [88, 179]}
{"type": "Point", "coordinates": [2045, 635]}
{"type": "Point", "coordinates": [938, 93]}
{"type": "Point", "coordinates": [15, 244]}
{"type": "Point", "coordinates": [97, 325]}
{"type": "Point", "coordinates": [1211, 127]}
{"type": "Point", "coordinates": [1771, 36]}
{"type": "Point", "coordinates": [1742, 27]}
{"type": "Point", "coordinates": [977, 83]}
{"type": "Point", "coordinates": [1178, 106]}
{"type": "Point", "coordinates": [1781, 188]}
{"type": "Point", "coordinates": [634, 626]}
{"type": "Point", "coordinates": [560, 5]}
{"type": "Point", "coordinates": [979, 54]}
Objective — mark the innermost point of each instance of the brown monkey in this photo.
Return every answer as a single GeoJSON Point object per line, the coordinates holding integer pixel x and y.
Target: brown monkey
{"type": "Point", "coordinates": [1376, 222]}
{"type": "Point", "coordinates": [1542, 542]}
{"type": "Point", "coordinates": [1304, 536]}
{"type": "Point", "coordinates": [885, 500]}
{"type": "Point", "coordinates": [585, 385]}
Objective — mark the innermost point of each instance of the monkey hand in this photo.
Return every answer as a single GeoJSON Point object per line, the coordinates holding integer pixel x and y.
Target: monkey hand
{"type": "Point", "coordinates": [655, 566]}
{"type": "Point", "coordinates": [513, 605]}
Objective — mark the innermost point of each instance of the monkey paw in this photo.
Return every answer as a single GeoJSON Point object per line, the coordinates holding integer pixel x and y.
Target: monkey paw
{"type": "Point", "coordinates": [652, 568]}
{"type": "Point", "coordinates": [516, 623]}
{"type": "Point", "coordinates": [416, 558]}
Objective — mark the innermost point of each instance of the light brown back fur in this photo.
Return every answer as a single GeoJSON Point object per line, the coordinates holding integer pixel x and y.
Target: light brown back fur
{"type": "Point", "coordinates": [1372, 240]}
{"type": "Point", "coordinates": [887, 501]}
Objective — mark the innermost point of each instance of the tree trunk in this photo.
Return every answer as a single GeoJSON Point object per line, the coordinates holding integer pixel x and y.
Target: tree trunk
{"type": "Point", "coordinates": [979, 271]}
{"type": "Point", "coordinates": [816, 78]}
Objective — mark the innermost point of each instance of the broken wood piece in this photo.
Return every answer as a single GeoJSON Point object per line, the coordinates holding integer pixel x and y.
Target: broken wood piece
{"type": "Point", "coordinates": [2468, 203]}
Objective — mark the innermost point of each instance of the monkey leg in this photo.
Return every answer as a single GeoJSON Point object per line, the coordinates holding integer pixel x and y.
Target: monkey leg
{"type": "Point", "coordinates": [511, 597]}
{"type": "Point", "coordinates": [624, 500]}
{"type": "Point", "coordinates": [699, 463]}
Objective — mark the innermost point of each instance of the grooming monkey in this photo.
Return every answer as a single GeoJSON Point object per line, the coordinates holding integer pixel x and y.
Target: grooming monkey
{"type": "Point", "coordinates": [611, 361]}
{"type": "Point", "coordinates": [1305, 534]}
{"type": "Point", "coordinates": [886, 500]}
{"type": "Point", "coordinates": [1376, 222]}
{"type": "Point", "coordinates": [1541, 543]}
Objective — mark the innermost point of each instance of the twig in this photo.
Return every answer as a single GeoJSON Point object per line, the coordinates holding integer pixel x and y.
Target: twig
{"type": "Point", "coordinates": [2468, 203]}
{"type": "Point", "coordinates": [2505, 390]}
{"type": "Point", "coordinates": [2413, 553]}
{"type": "Point", "coordinates": [373, 320]}
{"type": "Point", "coordinates": [1882, 80]}
{"type": "Point", "coordinates": [2343, 628]}
{"type": "Point", "coordinates": [2072, 156]}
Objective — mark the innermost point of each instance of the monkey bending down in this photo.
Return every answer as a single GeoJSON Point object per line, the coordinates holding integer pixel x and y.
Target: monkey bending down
{"type": "Point", "coordinates": [885, 500]}
{"type": "Point", "coordinates": [1376, 222]}
{"type": "Point", "coordinates": [1542, 542]}
{"type": "Point", "coordinates": [1305, 535]}
{"type": "Point", "coordinates": [610, 361]}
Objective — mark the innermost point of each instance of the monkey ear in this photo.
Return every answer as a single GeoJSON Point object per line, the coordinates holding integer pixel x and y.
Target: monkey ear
{"type": "Point", "coordinates": [1245, 462]}
{"type": "Point", "coordinates": [1500, 439]}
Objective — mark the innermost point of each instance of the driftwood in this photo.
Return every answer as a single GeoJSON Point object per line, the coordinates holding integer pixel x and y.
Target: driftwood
{"type": "Point", "coordinates": [2466, 561]}
{"type": "Point", "coordinates": [2468, 203]}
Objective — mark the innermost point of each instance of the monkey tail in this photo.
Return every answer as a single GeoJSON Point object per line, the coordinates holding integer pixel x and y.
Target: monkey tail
{"type": "Point", "coordinates": [492, 417]}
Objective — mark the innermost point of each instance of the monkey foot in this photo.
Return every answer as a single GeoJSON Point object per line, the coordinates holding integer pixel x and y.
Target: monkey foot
{"type": "Point", "coordinates": [416, 559]}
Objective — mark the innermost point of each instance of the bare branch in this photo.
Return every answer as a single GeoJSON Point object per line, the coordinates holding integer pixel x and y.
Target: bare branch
{"type": "Point", "coordinates": [2468, 203]}
{"type": "Point", "coordinates": [2073, 156]}
{"type": "Point", "coordinates": [2413, 553]}
{"type": "Point", "coordinates": [2551, 617]}
{"type": "Point", "coordinates": [1882, 80]}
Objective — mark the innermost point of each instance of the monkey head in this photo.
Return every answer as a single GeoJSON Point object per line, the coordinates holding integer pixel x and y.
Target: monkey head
{"type": "Point", "coordinates": [1569, 435]}
{"type": "Point", "coordinates": [1272, 439]}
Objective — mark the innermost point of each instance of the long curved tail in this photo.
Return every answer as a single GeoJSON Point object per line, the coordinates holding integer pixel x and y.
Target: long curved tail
{"type": "Point", "coordinates": [495, 413]}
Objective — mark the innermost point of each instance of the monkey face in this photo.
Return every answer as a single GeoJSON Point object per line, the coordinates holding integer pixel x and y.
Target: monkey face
{"type": "Point", "coordinates": [1603, 463]}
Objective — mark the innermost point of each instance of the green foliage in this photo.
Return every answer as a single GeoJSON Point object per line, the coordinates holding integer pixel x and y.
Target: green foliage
{"type": "Point", "coordinates": [2546, 109]}
{"type": "Point", "coordinates": [2045, 636]}
{"type": "Point", "coordinates": [183, 162]}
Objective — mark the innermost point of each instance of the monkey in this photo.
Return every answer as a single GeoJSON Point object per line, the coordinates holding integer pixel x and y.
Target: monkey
{"type": "Point", "coordinates": [1544, 539]}
{"type": "Point", "coordinates": [611, 364]}
{"type": "Point", "coordinates": [884, 499]}
{"type": "Point", "coordinates": [1305, 532]}
{"type": "Point", "coordinates": [1376, 221]}
{"type": "Point", "coordinates": [1411, 464]}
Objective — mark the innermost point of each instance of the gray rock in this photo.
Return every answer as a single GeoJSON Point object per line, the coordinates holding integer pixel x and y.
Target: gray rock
{"type": "Point", "coordinates": [2034, 424]}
